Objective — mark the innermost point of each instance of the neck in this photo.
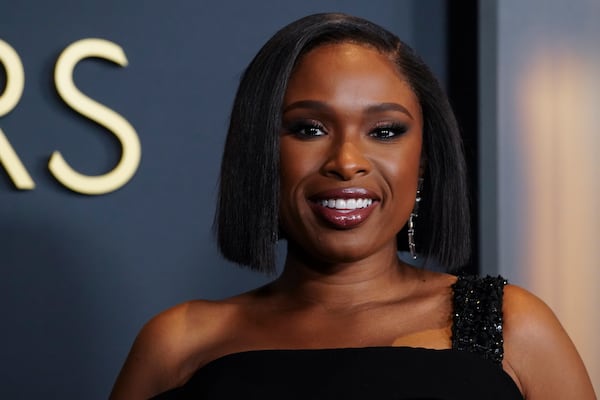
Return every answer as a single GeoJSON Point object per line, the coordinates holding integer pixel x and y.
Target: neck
{"type": "Point", "coordinates": [343, 285]}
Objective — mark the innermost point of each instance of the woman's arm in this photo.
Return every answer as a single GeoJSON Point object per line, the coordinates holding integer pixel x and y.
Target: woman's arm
{"type": "Point", "coordinates": [159, 358]}
{"type": "Point", "coordinates": [539, 352]}
{"type": "Point", "coordinates": [146, 368]}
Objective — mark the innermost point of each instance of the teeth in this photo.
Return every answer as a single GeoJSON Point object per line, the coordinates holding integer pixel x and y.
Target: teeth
{"type": "Point", "coordinates": [347, 204]}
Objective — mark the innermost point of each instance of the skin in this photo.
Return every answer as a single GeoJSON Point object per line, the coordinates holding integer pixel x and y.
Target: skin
{"type": "Point", "coordinates": [346, 287]}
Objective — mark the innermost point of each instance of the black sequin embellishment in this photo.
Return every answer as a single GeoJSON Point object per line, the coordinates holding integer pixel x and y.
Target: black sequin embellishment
{"type": "Point", "coordinates": [477, 316]}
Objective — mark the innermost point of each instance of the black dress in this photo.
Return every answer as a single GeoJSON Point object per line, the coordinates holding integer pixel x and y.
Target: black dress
{"type": "Point", "coordinates": [470, 370]}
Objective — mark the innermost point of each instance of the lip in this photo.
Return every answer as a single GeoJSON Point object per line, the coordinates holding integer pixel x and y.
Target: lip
{"type": "Point", "coordinates": [343, 219]}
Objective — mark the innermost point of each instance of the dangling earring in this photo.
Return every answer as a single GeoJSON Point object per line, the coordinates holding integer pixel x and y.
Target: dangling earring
{"type": "Point", "coordinates": [412, 247]}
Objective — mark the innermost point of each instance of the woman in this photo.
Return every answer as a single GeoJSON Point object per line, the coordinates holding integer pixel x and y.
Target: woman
{"type": "Point", "coordinates": [340, 137]}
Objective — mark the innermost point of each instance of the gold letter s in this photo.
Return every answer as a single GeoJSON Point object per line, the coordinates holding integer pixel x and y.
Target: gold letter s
{"type": "Point", "coordinates": [125, 133]}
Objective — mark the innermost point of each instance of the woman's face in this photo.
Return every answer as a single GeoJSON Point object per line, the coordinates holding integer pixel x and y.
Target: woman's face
{"type": "Point", "coordinates": [350, 153]}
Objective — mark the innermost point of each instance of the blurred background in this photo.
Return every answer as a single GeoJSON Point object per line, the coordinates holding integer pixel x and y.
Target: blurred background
{"type": "Point", "coordinates": [80, 274]}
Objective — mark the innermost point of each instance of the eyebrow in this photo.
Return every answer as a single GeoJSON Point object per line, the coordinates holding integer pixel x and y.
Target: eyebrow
{"type": "Point", "coordinates": [371, 109]}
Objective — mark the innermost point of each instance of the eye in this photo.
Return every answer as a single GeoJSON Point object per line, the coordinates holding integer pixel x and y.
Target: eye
{"type": "Point", "coordinates": [388, 131]}
{"type": "Point", "coordinates": [306, 129]}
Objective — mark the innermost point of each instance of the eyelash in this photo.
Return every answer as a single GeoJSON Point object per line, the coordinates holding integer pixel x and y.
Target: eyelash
{"type": "Point", "coordinates": [383, 132]}
{"type": "Point", "coordinates": [390, 131]}
{"type": "Point", "coordinates": [300, 129]}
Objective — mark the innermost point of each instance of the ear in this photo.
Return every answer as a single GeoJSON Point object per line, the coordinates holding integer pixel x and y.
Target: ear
{"type": "Point", "coordinates": [422, 165]}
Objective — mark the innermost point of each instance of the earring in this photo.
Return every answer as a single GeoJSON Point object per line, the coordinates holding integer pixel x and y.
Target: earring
{"type": "Point", "coordinates": [412, 247]}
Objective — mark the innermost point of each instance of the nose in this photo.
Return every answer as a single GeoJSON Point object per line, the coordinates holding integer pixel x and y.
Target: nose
{"type": "Point", "coordinates": [346, 161]}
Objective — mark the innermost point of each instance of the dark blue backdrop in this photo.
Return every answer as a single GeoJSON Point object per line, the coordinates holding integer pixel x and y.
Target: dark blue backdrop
{"type": "Point", "coordinates": [81, 274]}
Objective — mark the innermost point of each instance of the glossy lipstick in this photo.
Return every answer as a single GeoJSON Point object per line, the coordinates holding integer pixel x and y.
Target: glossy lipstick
{"type": "Point", "coordinates": [344, 208]}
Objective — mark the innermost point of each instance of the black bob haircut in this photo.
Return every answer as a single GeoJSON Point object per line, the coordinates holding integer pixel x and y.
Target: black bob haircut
{"type": "Point", "coordinates": [246, 220]}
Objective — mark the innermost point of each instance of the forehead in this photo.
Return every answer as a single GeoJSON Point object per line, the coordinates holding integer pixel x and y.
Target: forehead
{"type": "Point", "coordinates": [348, 72]}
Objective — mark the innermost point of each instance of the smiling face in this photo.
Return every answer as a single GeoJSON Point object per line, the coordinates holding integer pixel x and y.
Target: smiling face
{"type": "Point", "coordinates": [350, 153]}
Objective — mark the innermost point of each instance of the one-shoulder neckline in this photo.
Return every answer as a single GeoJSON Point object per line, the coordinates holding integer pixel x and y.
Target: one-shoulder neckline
{"type": "Point", "coordinates": [480, 287]}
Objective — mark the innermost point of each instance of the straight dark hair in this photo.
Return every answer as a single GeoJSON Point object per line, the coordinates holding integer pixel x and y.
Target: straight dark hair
{"type": "Point", "coordinates": [246, 220]}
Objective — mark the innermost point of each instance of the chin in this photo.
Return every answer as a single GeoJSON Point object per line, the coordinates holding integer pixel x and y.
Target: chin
{"type": "Point", "coordinates": [333, 251]}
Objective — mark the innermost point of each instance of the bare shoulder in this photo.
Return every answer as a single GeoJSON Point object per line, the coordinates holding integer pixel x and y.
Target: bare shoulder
{"type": "Point", "coordinates": [538, 352]}
{"type": "Point", "coordinates": [169, 347]}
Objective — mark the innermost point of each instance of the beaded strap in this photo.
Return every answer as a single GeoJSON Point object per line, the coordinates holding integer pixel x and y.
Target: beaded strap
{"type": "Point", "coordinates": [477, 316]}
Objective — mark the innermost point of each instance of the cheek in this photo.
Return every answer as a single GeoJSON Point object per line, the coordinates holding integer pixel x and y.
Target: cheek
{"type": "Point", "coordinates": [297, 161]}
{"type": "Point", "coordinates": [403, 164]}
{"type": "Point", "coordinates": [401, 172]}
{"type": "Point", "coordinates": [290, 170]}
{"type": "Point", "coordinates": [293, 169]}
